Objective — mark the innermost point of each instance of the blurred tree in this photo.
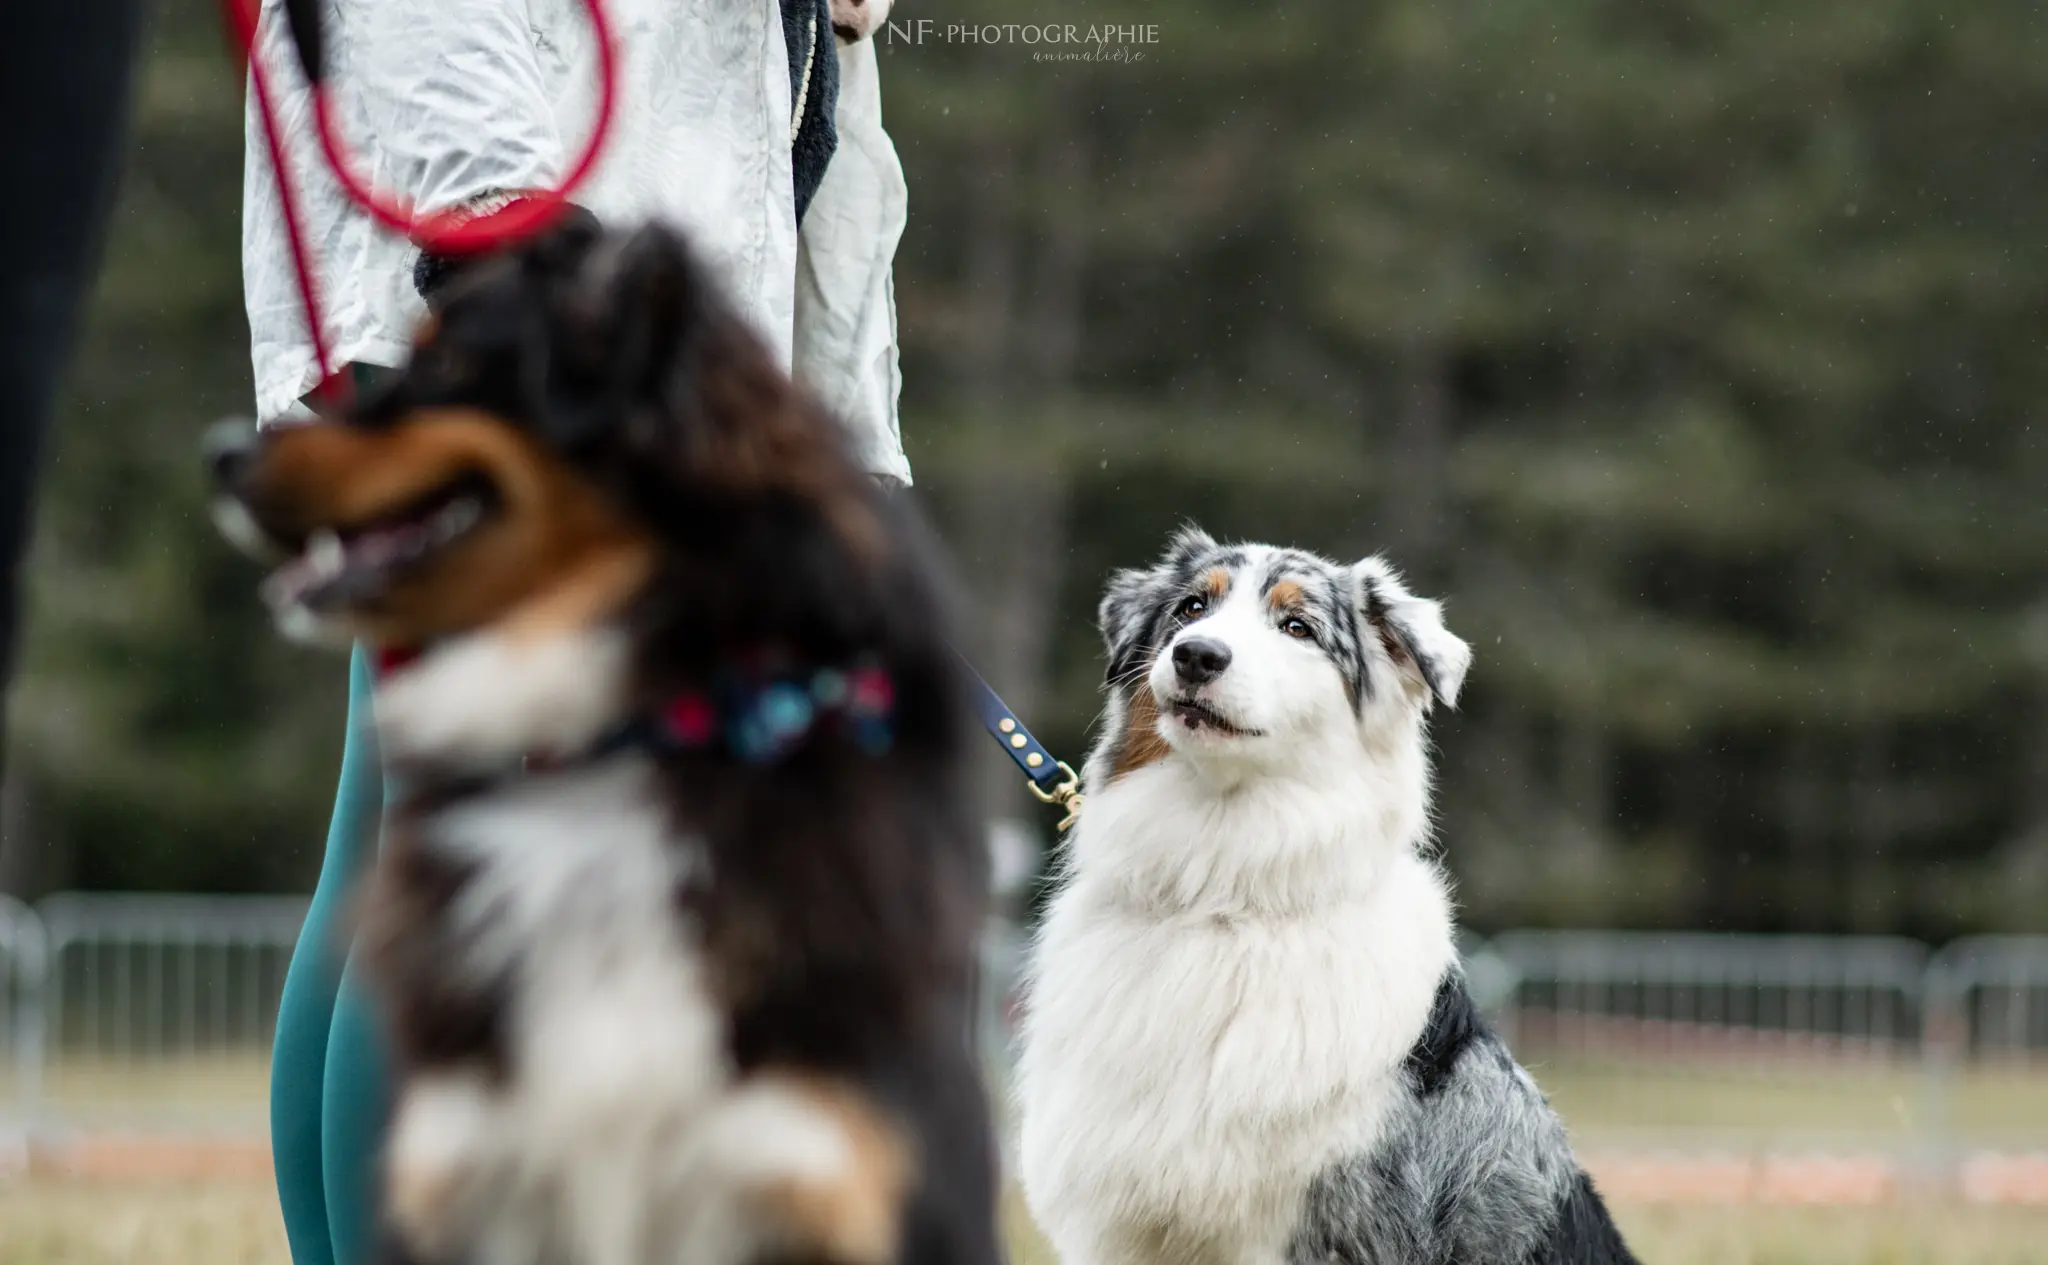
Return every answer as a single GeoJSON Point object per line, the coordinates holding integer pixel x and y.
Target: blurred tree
{"type": "Point", "coordinates": [163, 736]}
{"type": "Point", "coordinates": [1692, 350]}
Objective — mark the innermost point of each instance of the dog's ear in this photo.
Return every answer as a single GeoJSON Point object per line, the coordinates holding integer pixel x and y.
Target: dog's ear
{"type": "Point", "coordinates": [1126, 617]}
{"type": "Point", "coordinates": [1132, 603]}
{"type": "Point", "coordinates": [653, 296]}
{"type": "Point", "coordinates": [561, 248]}
{"type": "Point", "coordinates": [1412, 630]}
{"type": "Point", "coordinates": [628, 316]}
{"type": "Point", "coordinates": [1188, 544]}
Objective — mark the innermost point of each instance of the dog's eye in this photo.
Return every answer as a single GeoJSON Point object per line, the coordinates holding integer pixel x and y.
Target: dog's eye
{"type": "Point", "coordinates": [1193, 607]}
{"type": "Point", "coordinates": [1298, 629]}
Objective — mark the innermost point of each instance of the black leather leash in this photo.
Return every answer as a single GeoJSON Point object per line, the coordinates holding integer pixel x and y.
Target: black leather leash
{"type": "Point", "coordinates": [1050, 779]}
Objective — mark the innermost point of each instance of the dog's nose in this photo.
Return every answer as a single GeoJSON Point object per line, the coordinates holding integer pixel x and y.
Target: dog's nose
{"type": "Point", "coordinates": [1200, 660]}
{"type": "Point", "coordinates": [228, 447]}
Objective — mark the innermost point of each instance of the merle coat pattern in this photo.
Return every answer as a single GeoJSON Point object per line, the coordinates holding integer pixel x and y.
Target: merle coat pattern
{"type": "Point", "coordinates": [1248, 1038]}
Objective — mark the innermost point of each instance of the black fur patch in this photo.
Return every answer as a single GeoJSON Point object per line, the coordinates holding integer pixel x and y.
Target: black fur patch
{"type": "Point", "coordinates": [1585, 1233]}
{"type": "Point", "coordinates": [435, 1016]}
{"type": "Point", "coordinates": [1472, 1168]}
{"type": "Point", "coordinates": [1454, 1024]}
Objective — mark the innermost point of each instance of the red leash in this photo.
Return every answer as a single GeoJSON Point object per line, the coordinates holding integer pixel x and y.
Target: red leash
{"type": "Point", "coordinates": [449, 232]}
{"type": "Point", "coordinates": [453, 233]}
{"type": "Point", "coordinates": [242, 16]}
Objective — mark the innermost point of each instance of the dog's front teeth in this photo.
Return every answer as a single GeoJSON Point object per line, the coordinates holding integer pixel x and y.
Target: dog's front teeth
{"type": "Point", "coordinates": [324, 555]}
{"type": "Point", "coordinates": [460, 516]}
{"type": "Point", "coordinates": [240, 527]}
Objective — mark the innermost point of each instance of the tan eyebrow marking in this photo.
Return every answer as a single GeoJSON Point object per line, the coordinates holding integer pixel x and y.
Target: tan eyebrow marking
{"type": "Point", "coordinates": [1285, 595]}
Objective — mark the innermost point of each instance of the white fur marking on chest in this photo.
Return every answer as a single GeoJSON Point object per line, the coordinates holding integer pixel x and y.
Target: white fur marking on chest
{"type": "Point", "coordinates": [577, 892]}
{"type": "Point", "coordinates": [1222, 997]}
{"type": "Point", "coordinates": [617, 1049]}
{"type": "Point", "coordinates": [485, 700]}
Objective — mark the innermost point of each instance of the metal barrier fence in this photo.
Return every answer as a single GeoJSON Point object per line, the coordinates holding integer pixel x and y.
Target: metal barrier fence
{"type": "Point", "coordinates": [1984, 998]}
{"type": "Point", "coordinates": [1988, 996]}
{"type": "Point", "coordinates": [141, 1011]}
{"type": "Point", "coordinates": [156, 977]}
{"type": "Point", "coordinates": [110, 1005]}
{"type": "Point", "coordinates": [22, 959]}
{"type": "Point", "coordinates": [1587, 994]}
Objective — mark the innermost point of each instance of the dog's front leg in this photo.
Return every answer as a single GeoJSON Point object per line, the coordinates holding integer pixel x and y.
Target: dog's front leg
{"type": "Point", "coordinates": [444, 1142]}
{"type": "Point", "coordinates": [791, 1166]}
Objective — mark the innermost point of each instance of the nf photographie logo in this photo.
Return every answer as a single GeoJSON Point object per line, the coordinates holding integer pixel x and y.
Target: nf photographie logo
{"type": "Point", "coordinates": [1047, 41]}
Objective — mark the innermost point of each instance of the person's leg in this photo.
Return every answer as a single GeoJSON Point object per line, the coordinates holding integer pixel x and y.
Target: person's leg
{"type": "Point", "coordinates": [355, 1109]}
{"type": "Point", "coordinates": [300, 1071]}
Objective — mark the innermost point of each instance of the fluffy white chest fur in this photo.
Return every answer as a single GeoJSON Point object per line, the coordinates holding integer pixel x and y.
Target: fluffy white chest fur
{"type": "Point", "coordinates": [616, 1053]}
{"type": "Point", "coordinates": [1221, 999]}
{"type": "Point", "coordinates": [575, 897]}
{"type": "Point", "coordinates": [618, 1135]}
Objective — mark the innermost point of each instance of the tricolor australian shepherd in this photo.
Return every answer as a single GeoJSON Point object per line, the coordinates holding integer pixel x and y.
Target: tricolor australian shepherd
{"type": "Point", "coordinates": [1247, 1039]}
{"type": "Point", "coordinates": [676, 914]}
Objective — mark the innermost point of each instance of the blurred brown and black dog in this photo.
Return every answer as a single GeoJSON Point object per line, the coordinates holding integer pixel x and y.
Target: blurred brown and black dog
{"type": "Point", "coordinates": [675, 921]}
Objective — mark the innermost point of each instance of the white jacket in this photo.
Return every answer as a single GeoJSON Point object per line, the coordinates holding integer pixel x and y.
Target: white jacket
{"type": "Point", "coordinates": [445, 101]}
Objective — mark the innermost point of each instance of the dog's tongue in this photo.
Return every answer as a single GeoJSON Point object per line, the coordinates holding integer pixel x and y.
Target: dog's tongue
{"type": "Point", "coordinates": [391, 658]}
{"type": "Point", "coordinates": [330, 569]}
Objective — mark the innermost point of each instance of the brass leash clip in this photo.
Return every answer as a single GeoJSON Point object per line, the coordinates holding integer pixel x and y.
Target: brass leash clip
{"type": "Point", "coordinates": [1067, 795]}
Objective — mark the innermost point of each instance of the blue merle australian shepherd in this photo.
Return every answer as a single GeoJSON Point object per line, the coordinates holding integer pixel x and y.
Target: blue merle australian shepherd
{"type": "Point", "coordinates": [676, 913]}
{"type": "Point", "coordinates": [1247, 1039]}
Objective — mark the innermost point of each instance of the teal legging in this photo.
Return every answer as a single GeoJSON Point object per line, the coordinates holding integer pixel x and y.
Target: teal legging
{"type": "Point", "coordinates": [327, 1073]}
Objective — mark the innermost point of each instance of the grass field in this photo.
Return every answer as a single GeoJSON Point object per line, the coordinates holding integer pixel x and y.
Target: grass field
{"type": "Point", "coordinates": [1865, 1106]}
{"type": "Point", "coordinates": [235, 1223]}
{"type": "Point", "coordinates": [1869, 1106]}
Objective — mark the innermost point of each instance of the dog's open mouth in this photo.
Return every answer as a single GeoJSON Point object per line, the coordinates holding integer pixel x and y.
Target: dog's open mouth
{"type": "Point", "coordinates": [339, 567]}
{"type": "Point", "coordinates": [1199, 716]}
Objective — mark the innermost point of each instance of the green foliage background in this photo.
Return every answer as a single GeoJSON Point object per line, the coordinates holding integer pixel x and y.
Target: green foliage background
{"type": "Point", "coordinates": [1692, 349]}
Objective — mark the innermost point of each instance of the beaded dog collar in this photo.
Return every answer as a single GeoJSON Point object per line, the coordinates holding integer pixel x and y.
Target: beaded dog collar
{"type": "Point", "coordinates": [760, 710]}
{"type": "Point", "coordinates": [761, 718]}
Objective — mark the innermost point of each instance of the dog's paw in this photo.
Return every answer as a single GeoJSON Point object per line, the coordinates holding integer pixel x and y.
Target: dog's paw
{"type": "Point", "coordinates": [854, 20]}
{"type": "Point", "coordinates": [811, 1168]}
{"type": "Point", "coordinates": [488, 700]}
{"type": "Point", "coordinates": [440, 1146]}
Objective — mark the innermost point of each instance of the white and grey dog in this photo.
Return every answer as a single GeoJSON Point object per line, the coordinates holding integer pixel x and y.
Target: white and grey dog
{"type": "Point", "coordinates": [1248, 1039]}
